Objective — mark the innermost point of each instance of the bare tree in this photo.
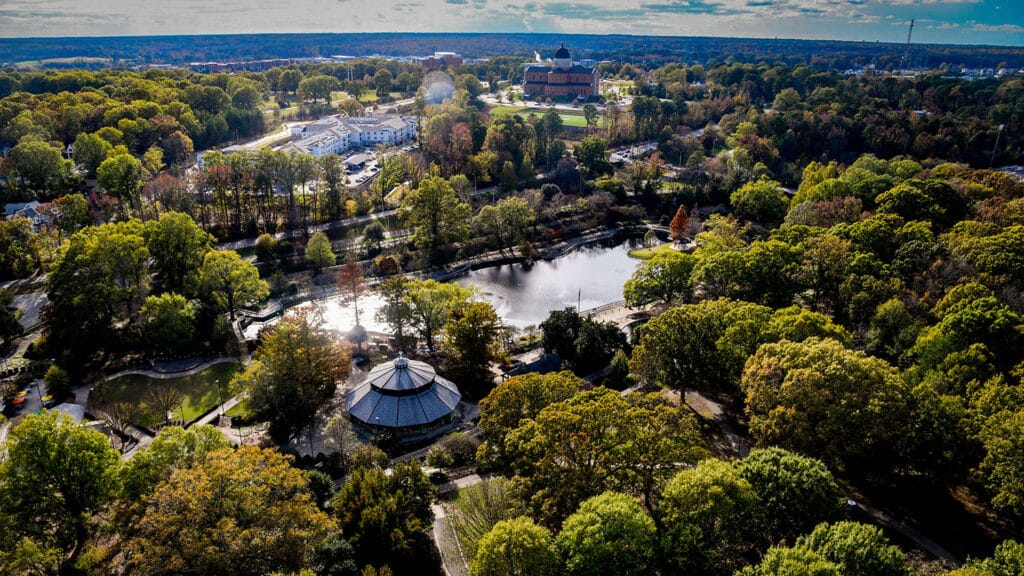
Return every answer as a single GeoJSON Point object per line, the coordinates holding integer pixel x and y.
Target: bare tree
{"type": "Point", "coordinates": [339, 435]}
{"type": "Point", "coordinates": [352, 284]}
{"type": "Point", "coordinates": [120, 416]}
{"type": "Point", "coordinates": [162, 399]}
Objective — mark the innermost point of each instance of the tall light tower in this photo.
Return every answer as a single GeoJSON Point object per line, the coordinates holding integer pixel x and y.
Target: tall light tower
{"type": "Point", "coordinates": [906, 51]}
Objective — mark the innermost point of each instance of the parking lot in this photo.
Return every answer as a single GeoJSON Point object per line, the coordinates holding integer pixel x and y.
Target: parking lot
{"type": "Point", "coordinates": [369, 164]}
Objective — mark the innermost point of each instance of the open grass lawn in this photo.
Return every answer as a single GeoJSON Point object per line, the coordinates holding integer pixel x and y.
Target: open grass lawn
{"type": "Point", "coordinates": [568, 118]}
{"type": "Point", "coordinates": [648, 253]}
{"type": "Point", "coordinates": [200, 391]}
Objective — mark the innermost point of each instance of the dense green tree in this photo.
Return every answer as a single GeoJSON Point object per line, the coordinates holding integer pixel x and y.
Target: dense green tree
{"type": "Point", "coordinates": [121, 176]}
{"type": "Point", "coordinates": [90, 151]}
{"type": "Point", "coordinates": [559, 333]}
{"type": "Point", "coordinates": [429, 304]}
{"type": "Point", "coordinates": [71, 213]}
{"type": "Point", "coordinates": [396, 308]}
{"type": "Point", "coordinates": [510, 137]}
{"type": "Point", "coordinates": [721, 274]}
{"type": "Point", "coordinates": [806, 396]}
{"type": "Point", "coordinates": [707, 513]}
{"type": "Point", "coordinates": [597, 441]}
{"type": "Point", "coordinates": [506, 222]}
{"type": "Point", "coordinates": [290, 79]}
{"type": "Point", "coordinates": [174, 448]}
{"type": "Point", "coordinates": [386, 516]}
{"type": "Point", "coordinates": [610, 534]}
{"type": "Point", "coordinates": [596, 344]}
{"type": "Point", "coordinates": [584, 344]}
{"type": "Point", "coordinates": [858, 549]}
{"type": "Point", "coordinates": [231, 281]}
{"type": "Point", "coordinates": [167, 322]}
{"type": "Point", "coordinates": [592, 155]}
{"type": "Point", "coordinates": [470, 84]}
{"type": "Point", "coordinates": [436, 213]}
{"type": "Point", "coordinates": [319, 252]}
{"type": "Point", "coordinates": [509, 177]}
{"type": "Point", "coordinates": [975, 320]}
{"type": "Point", "coordinates": [781, 561]}
{"type": "Point", "coordinates": [770, 273]}
{"type": "Point", "coordinates": [374, 233]}
{"type": "Point", "coordinates": [1006, 560]}
{"type": "Point", "coordinates": [19, 248]}
{"type": "Point", "coordinates": [234, 512]}
{"type": "Point", "coordinates": [761, 201]}
{"type": "Point", "coordinates": [39, 167]}
{"type": "Point", "coordinates": [318, 87]}
{"type": "Point", "coordinates": [1002, 438]}
{"type": "Point", "coordinates": [100, 278]}
{"type": "Point", "coordinates": [55, 476]}
{"type": "Point", "coordinates": [516, 547]}
{"type": "Point", "coordinates": [797, 324]}
{"type": "Point", "coordinates": [892, 330]}
{"type": "Point", "coordinates": [795, 493]}
{"type": "Point", "coordinates": [382, 82]}
{"type": "Point", "coordinates": [786, 100]}
{"type": "Point", "coordinates": [522, 398]}
{"type": "Point", "coordinates": [295, 372]}
{"type": "Point", "coordinates": [266, 247]}
{"type": "Point", "coordinates": [178, 247]}
{"type": "Point", "coordinates": [700, 345]}
{"type": "Point", "coordinates": [824, 269]}
{"type": "Point", "coordinates": [664, 278]}
{"type": "Point", "coordinates": [470, 340]}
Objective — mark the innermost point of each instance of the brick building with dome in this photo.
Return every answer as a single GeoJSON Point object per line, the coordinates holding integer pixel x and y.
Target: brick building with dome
{"type": "Point", "coordinates": [560, 78]}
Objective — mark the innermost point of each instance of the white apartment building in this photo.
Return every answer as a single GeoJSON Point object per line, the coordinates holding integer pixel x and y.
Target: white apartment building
{"type": "Point", "coordinates": [336, 134]}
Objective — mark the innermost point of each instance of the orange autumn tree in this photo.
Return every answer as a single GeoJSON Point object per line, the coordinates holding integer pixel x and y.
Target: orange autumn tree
{"type": "Point", "coordinates": [680, 222]}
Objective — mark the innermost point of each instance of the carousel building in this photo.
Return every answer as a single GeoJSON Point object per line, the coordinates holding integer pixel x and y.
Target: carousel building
{"type": "Point", "coordinates": [403, 396]}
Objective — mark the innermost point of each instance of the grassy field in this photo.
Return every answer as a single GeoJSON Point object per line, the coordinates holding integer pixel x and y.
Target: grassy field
{"type": "Point", "coordinates": [200, 391]}
{"type": "Point", "coordinates": [568, 118]}
{"type": "Point", "coordinates": [648, 253]}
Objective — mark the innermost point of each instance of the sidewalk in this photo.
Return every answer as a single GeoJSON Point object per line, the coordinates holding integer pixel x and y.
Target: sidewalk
{"type": "Point", "coordinates": [164, 374]}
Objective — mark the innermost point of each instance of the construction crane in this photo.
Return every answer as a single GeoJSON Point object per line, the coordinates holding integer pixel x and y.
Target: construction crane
{"type": "Point", "coordinates": [906, 51]}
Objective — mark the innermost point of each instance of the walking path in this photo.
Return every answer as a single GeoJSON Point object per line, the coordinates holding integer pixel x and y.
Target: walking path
{"type": "Point", "coordinates": [453, 560]}
{"type": "Point", "coordinates": [155, 372]}
{"type": "Point", "coordinates": [913, 534]}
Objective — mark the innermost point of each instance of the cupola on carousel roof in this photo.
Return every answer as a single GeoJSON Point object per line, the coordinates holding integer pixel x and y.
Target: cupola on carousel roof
{"type": "Point", "coordinates": [403, 394]}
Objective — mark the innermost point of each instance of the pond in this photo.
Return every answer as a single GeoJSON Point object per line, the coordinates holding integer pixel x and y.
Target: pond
{"type": "Point", "coordinates": [522, 295]}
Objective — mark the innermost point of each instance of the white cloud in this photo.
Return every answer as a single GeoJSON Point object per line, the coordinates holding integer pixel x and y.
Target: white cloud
{"type": "Point", "coordinates": [839, 19]}
{"type": "Point", "coordinates": [1008, 28]}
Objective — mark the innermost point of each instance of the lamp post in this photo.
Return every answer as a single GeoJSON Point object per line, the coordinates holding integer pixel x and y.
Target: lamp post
{"type": "Point", "coordinates": [220, 392]}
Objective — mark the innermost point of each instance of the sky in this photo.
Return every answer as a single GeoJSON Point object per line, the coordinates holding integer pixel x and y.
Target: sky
{"type": "Point", "coordinates": [999, 22]}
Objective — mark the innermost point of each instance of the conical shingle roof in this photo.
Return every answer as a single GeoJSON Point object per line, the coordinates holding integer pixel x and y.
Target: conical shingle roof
{"type": "Point", "coordinates": [402, 393]}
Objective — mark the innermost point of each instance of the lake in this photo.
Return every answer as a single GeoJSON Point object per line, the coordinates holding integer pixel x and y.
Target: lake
{"type": "Point", "coordinates": [522, 295]}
